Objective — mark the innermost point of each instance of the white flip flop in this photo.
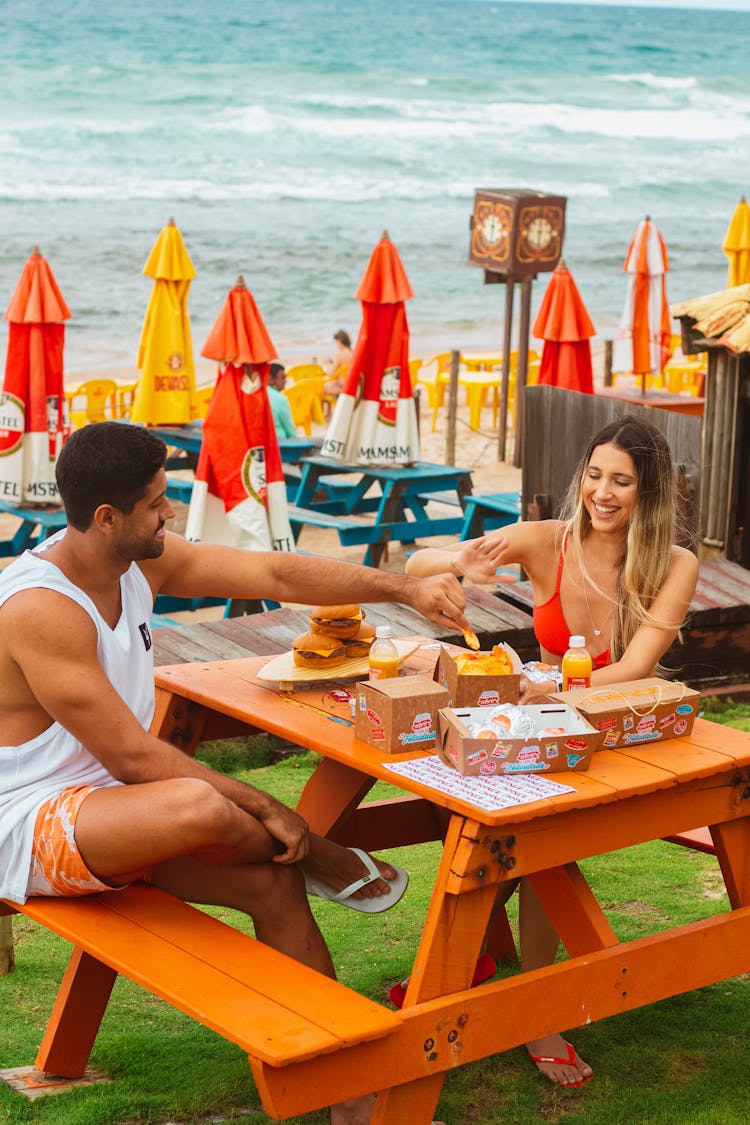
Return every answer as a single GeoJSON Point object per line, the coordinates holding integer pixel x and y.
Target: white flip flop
{"type": "Point", "coordinates": [374, 905]}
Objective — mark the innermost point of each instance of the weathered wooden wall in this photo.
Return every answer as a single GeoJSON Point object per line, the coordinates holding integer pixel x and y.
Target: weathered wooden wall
{"type": "Point", "coordinates": [559, 425]}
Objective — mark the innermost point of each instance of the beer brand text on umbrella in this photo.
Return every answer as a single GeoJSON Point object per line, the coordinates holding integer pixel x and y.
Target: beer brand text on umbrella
{"type": "Point", "coordinates": [643, 344]}
{"type": "Point", "coordinates": [165, 394]}
{"type": "Point", "coordinates": [239, 495]}
{"type": "Point", "coordinates": [375, 419]}
{"type": "Point", "coordinates": [566, 328]}
{"type": "Point", "coordinates": [33, 413]}
{"type": "Point", "coordinates": [737, 245]}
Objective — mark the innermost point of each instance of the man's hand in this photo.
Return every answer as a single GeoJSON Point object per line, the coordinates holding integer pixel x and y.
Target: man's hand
{"type": "Point", "coordinates": [440, 599]}
{"type": "Point", "coordinates": [479, 559]}
{"type": "Point", "coordinates": [289, 829]}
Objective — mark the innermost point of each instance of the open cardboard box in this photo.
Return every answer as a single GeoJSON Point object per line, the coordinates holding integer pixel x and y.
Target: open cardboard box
{"type": "Point", "coordinates": [638, 711]}
{"type": "Point", "coordinates": [572, 749]}
{"type": "Point", "coordinates": [399, 714]}
{"type": "Point", "coordinates": [478, 691]}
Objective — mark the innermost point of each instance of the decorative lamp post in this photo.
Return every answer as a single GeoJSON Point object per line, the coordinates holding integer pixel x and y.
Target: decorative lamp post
{"type": "Point", "coordinates": [516, 233]}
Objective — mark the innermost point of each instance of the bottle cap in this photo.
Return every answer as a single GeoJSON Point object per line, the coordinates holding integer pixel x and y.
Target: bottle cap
{"type": "Point", "coordinates": [383, 632]}
{"type": "Point", "coordinates": [577, 642]}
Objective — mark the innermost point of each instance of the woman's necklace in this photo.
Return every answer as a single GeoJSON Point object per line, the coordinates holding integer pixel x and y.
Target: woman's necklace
{"type": "Point", "coordinates": [597, 632]}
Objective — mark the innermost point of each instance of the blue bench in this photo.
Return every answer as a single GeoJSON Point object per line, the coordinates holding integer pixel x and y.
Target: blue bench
{"type": "Point", "coordinates": [36, 524]}
{"type": "Point", "coordinates": [488, 512]}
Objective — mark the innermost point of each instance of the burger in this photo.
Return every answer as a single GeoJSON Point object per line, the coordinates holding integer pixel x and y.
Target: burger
{"type": "Point", "coordinates": [360, 644]}
{"type": "Point", "coordinates": [314, 650]}
{"type": "Point", "coordinates": [340, 621]}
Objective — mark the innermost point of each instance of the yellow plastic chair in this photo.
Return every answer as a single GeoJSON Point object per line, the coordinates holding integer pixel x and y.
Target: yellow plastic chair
{"type": "Point", "coordinates": [430, 376]}
{"type": "Point", "coordinates": [125, 396]}
{"type": "Point", "coordinates": [100, 402]}
{"type": "Point", "coordinates": [305, 400]}
{"type": "Point", "coordinates": [203, 396]}
{"type": "Point", "coordinates": [415, 365]}
{"type": "Point", "coordinates": [299, 371]}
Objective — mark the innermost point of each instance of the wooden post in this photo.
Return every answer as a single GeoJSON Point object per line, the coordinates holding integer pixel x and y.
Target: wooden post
{"type": "Point", "coordinates": [502, 423]}
{"type": "Point", "coordinates": [450, 439]}
{"type": "Point", "coordinates": [608, 363]}
{"type": "Point", "coordinates": [523, 366]}
{"type": "Point", "coordinates": [7, 962]}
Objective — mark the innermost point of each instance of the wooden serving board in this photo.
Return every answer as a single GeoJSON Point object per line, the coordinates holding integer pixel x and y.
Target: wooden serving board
{"type": "Point", "coordinates": [282, 669]}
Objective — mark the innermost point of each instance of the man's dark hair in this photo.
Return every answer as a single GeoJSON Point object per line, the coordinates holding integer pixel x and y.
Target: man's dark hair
{"type": "Point", "coordinates": [106, 463]}
{"type": "Point", "coordinates": [276, 369]}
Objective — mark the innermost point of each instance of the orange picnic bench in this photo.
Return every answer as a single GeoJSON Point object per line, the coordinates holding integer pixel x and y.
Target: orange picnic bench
{"type": "Point", "coordinates": [275, 1009]}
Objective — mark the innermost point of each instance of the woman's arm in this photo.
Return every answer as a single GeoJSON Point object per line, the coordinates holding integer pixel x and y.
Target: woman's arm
{"type": "Point", "coordinates": [479, 559]}
{"type": "Point", "coordinates": [650, 642]}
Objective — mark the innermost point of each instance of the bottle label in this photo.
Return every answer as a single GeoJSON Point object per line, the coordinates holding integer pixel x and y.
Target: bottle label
{"type": "Point", "coordinates": [573, 682]}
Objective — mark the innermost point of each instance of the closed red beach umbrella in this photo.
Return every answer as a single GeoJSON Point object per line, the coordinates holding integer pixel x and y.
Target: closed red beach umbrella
{"type": "Point", "coordinates": [33, 414]}
{"type": "Point", "coordinates": [644, 342]}
{"type": "Point", "coordinates": [565, 326]}
{"type": "Point", "coordinates": [375, 421]}
{"type": "Point", "coordinates": [239, 495]}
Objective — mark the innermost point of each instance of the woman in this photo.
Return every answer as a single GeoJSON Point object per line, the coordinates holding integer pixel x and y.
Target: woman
{"type": "Point", "coordinates": [611, 572]}
{"type": "Point", "coordinates": [337, 367]}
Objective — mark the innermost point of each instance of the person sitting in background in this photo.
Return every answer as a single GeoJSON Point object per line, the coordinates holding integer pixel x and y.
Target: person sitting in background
{"type": "Point", "coordinates": [337, 367]}
{"type": "Point", "coordinates": [610, 572]}
{"type": "Point", "coordinates": [280, 408]}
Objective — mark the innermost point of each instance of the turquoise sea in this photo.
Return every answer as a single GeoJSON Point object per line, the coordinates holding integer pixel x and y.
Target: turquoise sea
{"type": "Point", "coordinates": [284, 137]}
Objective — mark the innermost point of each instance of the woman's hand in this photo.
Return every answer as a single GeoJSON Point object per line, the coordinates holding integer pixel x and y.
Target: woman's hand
{"type": "Point", "coordinates": [479, 559]}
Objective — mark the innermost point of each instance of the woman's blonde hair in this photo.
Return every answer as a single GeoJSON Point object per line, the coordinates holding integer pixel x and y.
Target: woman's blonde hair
{"type": "Point", "coordinates": [652, 530]}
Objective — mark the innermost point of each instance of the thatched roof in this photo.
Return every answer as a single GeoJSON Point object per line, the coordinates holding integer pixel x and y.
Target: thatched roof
{"type": "Point", "coordinates": [722, 318]}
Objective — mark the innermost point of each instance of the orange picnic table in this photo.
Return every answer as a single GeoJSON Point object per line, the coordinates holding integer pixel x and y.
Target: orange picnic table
{"type": "Point", "coordinates": [627, 797]}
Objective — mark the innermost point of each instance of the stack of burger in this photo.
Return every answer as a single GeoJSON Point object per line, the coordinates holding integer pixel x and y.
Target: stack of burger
{"type": "Point", "coordinates": [337, 633]}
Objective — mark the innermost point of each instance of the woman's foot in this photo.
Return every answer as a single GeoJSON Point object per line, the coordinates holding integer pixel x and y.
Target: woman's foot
{"type": "Point", "coordinates": [559, 1061]}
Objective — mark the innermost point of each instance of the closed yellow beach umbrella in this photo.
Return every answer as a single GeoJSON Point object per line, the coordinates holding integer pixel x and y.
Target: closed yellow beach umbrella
{"type": "Point", "coordinates": [165, 394]}
{"type": "Point", "coordinates": [737, 245]}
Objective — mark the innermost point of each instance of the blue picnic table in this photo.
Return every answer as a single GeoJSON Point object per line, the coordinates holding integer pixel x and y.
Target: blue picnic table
{"type": "Point", "coordinates": [396, 496]}
{"type": "Point", "coordinates": [36, 524]}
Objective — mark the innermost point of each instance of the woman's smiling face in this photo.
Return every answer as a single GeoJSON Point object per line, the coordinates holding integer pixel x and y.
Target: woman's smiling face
{"type": "Point", "coordinates": [610, 489]}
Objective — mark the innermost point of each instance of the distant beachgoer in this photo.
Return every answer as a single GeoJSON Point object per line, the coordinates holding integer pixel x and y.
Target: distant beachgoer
{"type": "Point", "coordinates": [337, 367]}
{"type": "Point", "coordinates": [280, 407]}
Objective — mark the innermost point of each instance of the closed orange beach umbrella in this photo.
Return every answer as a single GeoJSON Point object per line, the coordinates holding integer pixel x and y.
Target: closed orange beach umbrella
{"type": "Point", "coordinates": [643, 344]}
{"type": "Point", "coordinates": [239, 495]}
{"type": "Point", "coordinates": [736, 245]}
{"type": "Point", "coordinates": [165, 393]}
{"type": "Point", "coordinates": [33, 414]}
{"type": "Point", "coordinates": [566, 328]}
{"type": "Point", "coordinates": [375, 420]}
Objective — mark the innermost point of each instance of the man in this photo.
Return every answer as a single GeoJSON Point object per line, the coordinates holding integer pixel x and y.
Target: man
{"type": "Point", "coordinates": [280, 407]}
{"type": "Point", "coordinates": [90, 800]}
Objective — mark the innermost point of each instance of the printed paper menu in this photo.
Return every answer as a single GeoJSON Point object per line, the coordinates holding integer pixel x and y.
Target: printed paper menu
{"type": "Point", "coordinates": [489, 793]}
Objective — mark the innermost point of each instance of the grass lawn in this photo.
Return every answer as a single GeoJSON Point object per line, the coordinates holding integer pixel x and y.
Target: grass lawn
{"type": "Point", "coordinates": [679, 1062]}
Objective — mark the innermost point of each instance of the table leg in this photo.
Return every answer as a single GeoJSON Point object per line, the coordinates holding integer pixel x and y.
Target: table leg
{"type": "Point", "coordinates": [331, 794]}
{"type": "Point", "coordinates": [178, 721]}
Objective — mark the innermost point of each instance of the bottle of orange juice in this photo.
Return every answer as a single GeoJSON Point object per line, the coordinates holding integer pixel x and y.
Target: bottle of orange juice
{"type": "Point", "coordinates": [383, 655]}
{"type": "Point", "coordinates": [576, 665]}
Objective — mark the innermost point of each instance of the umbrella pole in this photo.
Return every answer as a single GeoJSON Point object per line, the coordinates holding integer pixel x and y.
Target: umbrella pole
{"type": "Point", "coordinates": [502, 426]}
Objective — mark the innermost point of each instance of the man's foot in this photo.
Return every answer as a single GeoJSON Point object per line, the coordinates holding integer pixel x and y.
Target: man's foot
{"type": "Point", "coordinates": [338, 867]}
{"type": "Point", "coordinates": [559, 1061]}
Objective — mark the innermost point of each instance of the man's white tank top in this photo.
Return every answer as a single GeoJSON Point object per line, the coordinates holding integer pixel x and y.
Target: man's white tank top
{"type": "Point", "coordinates": [32, 773]}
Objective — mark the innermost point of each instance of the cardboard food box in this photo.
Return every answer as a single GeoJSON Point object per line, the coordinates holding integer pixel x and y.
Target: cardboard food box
{"type": "Point", "coordinates": [637, 711]}
{"type": "Point", "coordinates": [399, 714]}
{"type": "Point", "coordinates": [478, 691]}
{"type": "Point", "coordinates": [565, 742]}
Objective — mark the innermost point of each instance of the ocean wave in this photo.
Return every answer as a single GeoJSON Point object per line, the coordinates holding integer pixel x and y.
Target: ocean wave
{"type": "Point", "coordinates": [656, 81]}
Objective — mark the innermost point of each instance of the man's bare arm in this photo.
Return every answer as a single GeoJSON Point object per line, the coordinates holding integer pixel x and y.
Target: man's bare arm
{"type": "Point", "coordinates": [201, 569]}
{"type": "Point", "coordinates": [54, 645]}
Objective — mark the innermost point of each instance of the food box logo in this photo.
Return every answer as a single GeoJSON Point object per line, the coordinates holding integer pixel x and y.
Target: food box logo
{"type": "Point", "coordinates": [647, 725]}
{"type": "Point", "coordinates": [488, 768]}
{"type": "Point", "coordinates": [684, 709]}
{"type": "Point", "coordinates": [488, 699]}
{"type": "Point", "coordinates": [680, 726]}
{"type": "Point", "coordinates": [576, 744]}
{"type": "Point", "coordinates": [607, 724]}
{"type": "Point", "coordinates": [611, 739]}
{"type": "Point", "coordinates": [528, 754]}
{"type": "Point", "coordinates": [667, 721]}
{"type": "Point", "coordinates": [573, 760]}
{"type": "Point", "coordinates": [422, 730]}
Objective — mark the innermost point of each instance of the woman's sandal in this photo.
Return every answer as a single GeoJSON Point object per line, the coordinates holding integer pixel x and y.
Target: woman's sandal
{"type": "Point", "coordinates": [485, 968]}
{"type": "Point", "coordinates": [556, 1061]}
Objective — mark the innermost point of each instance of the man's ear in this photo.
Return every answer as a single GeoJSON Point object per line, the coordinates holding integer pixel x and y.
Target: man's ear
{"type": "Point", "coordinates": [105, 518]}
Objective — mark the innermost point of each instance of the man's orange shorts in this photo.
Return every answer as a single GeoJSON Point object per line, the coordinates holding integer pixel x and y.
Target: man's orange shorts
{"type": "Point", "coordinates": [56, 864]}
